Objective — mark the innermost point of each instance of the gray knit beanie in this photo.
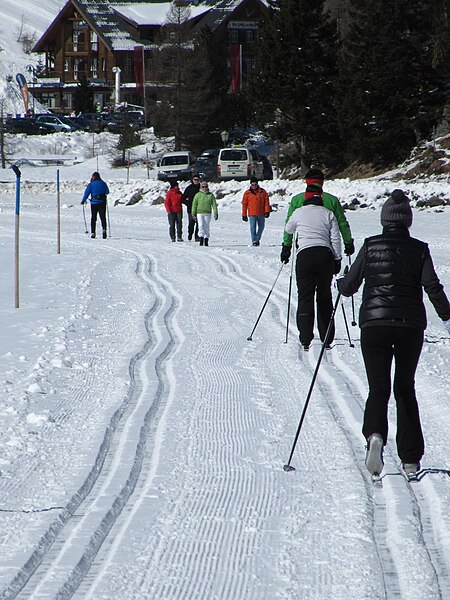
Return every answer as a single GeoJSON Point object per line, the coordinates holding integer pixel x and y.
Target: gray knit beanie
{"type": "Point", "coordinates": [396, 210]}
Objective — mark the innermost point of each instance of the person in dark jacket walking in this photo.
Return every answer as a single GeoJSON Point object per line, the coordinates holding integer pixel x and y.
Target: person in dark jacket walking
{"type": "Point", "coordinates": [174, 208]}
{"type": "Point", "coordinates": [395, 268]}
{"type": "Point", "coordinates": [318, 259]}
{"type": "Point", "coordinates": [188, 198]}
{"type": "Point", "coordinates": [98, 191]}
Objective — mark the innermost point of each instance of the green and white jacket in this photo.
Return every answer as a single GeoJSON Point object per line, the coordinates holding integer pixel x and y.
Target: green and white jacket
{"type": "Point", "coordinates": [204, 204]}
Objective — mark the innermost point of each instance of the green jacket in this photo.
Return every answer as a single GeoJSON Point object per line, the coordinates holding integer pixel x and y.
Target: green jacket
{"type": "Point", "coordinates": [330, 202]}
{"type": "Point", "coordinates": [204, 203]}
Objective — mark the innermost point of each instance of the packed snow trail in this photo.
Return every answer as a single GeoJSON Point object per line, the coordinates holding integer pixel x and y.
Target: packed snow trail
{"type": "Point", "coordinates": [157, 470]}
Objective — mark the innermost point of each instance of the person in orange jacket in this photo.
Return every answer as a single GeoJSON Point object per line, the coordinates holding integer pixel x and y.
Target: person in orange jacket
{"type": "Point", "coordinates": [174, 208]}
{"type": "Point", "coordinates": [256, 207]}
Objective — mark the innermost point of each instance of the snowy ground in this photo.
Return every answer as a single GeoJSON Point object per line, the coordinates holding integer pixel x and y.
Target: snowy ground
{"type": "Point", "coordinates": [142, 437]}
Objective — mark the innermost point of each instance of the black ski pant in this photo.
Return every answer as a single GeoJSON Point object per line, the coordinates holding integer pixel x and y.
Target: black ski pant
{"type": "Point", "coordinates": [98, 209]}
{"type": "Point", "coordinates": [175, 220]}
{"type": "Point", "coordinates": [380, 345]}
{"type": "Point", "coordinates": [314, 270]}
{"type": "Point", "coordinates": [192, 226]}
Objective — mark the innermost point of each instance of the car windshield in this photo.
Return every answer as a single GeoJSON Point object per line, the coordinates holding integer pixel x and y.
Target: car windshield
{"type": "Point", "coordinates": [234, 155]}
{"type": "Point", "coordinates": [168, 161]}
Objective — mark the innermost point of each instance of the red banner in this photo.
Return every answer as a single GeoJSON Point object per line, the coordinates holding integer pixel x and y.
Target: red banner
{"type": "Point", "coordinates": [235, 67]}
{"type": "Point", "coordinates": [138, 56]}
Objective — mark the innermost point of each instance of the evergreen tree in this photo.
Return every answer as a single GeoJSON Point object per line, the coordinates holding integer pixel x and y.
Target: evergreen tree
{"type": "Point", "coordinates": [294, 74]}
{"type": "Point", "coordinates": [83, 98]}
{"type": "Point", "coordinates": [385, 79]}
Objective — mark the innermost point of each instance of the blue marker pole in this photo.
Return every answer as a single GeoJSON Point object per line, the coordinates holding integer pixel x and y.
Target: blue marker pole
{"type": "Point", "coordinates": [16, 270]}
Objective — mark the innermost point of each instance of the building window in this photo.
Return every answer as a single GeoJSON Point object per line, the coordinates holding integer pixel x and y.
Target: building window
{"type": "Point", "coordinates": [249, 65]}
{"type": "Point", "coordinates": [233, 36]}
{"type": "Point", "coordinates": [75, 37]}
{"type": "Point", "coordinates": [67, 100]}
{"type": "Point", "coordinates": [48, 100]}
{"type": "Point", "coordinates": [76, 68]}
{"type": "Point", "coordinates": [94, 67]}
{"type": "Point", "coordinates": [128, 63]}
{"type": "Point", "coordinates": [94, 41]}
{"type": "Point", "coordinates": [66, 65]}
{"type": "Point", "coordinates": [250, 35]}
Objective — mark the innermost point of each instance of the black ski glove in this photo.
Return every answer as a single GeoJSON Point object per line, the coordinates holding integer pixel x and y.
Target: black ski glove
{"type": "Point", "coordinates": [245, 219]}
{"type": "Point", "coordinates": [285, 254]}
{"type": "Point", "coordinates": [267, 215]}
{"type": "Point", "coordinates": [349, 248]}
{"type": "Point", "coordinates": [337, 266]}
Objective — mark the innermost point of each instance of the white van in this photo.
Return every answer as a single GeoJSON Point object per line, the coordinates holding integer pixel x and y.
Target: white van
{"type": "Point", "coordinates": [176, 165]}
{"type": "Point", "coordinates": [239, 163]}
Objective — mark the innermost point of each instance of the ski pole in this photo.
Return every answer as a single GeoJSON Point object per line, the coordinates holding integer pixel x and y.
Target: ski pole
{"type": "Point", "coordinates": [85, 224]}
{"type": "Point", "coordinates": [346, 327]}
{"type": "Point", "coordinates": [109, 220]}
{"type": "Point", "coordinates": [250, 337]}
{"type": "Point", "coordinates": [353, 300]}
{"type": "Point", "coordinates": [289, 297]}
{"type": "Point", "coordinates": [288, 467]}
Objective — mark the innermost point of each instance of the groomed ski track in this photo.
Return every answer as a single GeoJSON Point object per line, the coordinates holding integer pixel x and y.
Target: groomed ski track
{"type": "Point", "coordinates": [185, 496]}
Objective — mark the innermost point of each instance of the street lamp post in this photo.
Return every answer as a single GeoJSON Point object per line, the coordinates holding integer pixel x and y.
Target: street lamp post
{"type": "Point", "coordinates": [32, 70]}
{"type": "Point", "coordinates": [278, 117]}
{"type": "Point", "coordinates": [224, 135]}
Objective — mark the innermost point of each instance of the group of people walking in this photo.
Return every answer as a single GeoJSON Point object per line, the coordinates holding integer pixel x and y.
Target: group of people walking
{"type": "Point", "coordinates": [201, 206]}
{"type": "Point", "coordinates": [394, 267]}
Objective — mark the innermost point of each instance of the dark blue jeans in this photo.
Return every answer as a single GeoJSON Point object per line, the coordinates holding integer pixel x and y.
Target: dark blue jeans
{"type": "Point", "coordinates": [380, 346]}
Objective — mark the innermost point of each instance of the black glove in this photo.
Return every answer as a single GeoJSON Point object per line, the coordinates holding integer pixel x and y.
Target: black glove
{"type": "Point", "coordinates": [245, 219]}
{"type": "Point", "coordinates": [349, 248]}
{"type": "Point", "coordinates": [337, 266]}
{"type": "Point", "coordinates": [267, 215]}
{"type": "Point", "coordinates": [285, 254]}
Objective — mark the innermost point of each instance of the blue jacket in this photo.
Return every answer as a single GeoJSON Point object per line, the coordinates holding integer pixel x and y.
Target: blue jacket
{"type": "Point", "coordinates": [98, 190]}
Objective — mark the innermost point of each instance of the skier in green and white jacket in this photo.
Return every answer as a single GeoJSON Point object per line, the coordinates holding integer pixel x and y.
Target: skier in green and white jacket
{"type": "Point", "coordinates": [315, 177]}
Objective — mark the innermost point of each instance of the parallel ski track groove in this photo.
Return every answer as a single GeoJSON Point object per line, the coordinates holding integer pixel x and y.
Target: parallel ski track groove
{"type": "Point", "coordinates": [423, 507]}
{"type": "Point", "coordinates": [235, 545]}
{"type": "Point", "coordinates": [425, 536]}
{"type": "Point", "coordinates": [51, 536]}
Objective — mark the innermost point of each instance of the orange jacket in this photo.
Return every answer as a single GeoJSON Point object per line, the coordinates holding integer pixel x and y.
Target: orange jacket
{"type": "Point", "coordinates": [173, 200]}
{"type": "Point", "coordinates": [255, 203]}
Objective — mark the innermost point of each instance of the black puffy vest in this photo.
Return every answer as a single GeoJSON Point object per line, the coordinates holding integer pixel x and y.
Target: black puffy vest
{"type": "Point", "coordinates": [393, 274]}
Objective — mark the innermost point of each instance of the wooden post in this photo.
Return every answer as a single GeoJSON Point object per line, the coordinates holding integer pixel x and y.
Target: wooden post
{"type": "Point", "coordinates": [128, 167]}
{"type": "Point", "coordinates": [148, 166]}
{"type": "Point", "coordinates": [17, 221]}
{"type": "Point", "coordinates": [58, 214]}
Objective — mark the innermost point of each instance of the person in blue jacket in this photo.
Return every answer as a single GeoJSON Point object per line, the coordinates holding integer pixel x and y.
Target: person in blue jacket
{"type": "Point", "coordinates": [98, 191]}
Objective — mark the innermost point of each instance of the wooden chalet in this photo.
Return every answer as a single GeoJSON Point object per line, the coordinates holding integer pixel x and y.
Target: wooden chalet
{"type": "Point", "coordinates": [96, 40]}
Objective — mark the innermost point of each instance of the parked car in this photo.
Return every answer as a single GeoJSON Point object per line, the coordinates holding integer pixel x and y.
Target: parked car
{"type": "Point", "coordinates": [176, 165]}
{"type": "Point", "coordinates": [267, 168]}
{"type": "Point", "coordinates": [239, 163]}
{"type": "Point", "coordinates": [57, 122]}
{"type": "Point", "coordinates": [90, 121]}
{"type": "Point", "coordinates": [207, 164]}
{"type": "Point", "coordinates": [26, 125]}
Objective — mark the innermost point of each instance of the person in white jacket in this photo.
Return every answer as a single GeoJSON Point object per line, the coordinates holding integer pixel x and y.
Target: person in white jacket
{"type": "Point", "coordinates": [319, 257]}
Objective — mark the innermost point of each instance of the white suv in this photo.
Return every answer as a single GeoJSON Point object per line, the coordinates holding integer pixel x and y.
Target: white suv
{"type": "Point", "coordinates": [176, 165]}
{"type": "Point", "coordinates": [239, 163]}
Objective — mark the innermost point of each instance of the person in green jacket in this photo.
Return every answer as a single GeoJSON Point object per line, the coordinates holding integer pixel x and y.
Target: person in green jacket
{"type": "Point", "coordinates": [315, 177]}
{"type": "Point", "coordinates": [203, 206]}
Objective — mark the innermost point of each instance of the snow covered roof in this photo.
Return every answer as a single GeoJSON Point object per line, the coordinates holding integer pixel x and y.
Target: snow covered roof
{"type": "Point", "coordinates": [154, 13]}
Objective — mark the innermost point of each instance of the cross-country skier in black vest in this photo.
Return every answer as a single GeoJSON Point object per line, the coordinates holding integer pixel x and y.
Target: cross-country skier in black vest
{"type": "Point", "coordinates": [395, 268]}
